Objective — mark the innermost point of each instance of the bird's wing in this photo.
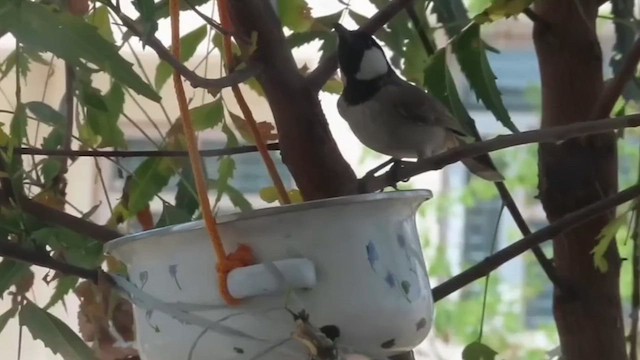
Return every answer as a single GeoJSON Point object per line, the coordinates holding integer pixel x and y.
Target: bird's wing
{"type": "Point", "coordinates": [419, 106]}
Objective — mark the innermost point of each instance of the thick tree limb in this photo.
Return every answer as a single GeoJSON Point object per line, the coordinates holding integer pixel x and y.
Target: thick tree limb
{"type": "Point", "coordinates": [142, 153]}
{"type": "Point", "coordinates": [307, 146]}
{"type": "Point", "coordinates": [500, 257]}
{"type": "Point", "coordinates": [16, 252]}
{"type": "Point", "coordinates": [60, 218]}
{"type": "Point", "coordinates": [321, 74]}
{"type": "Point", "coordinates": [547, 135]}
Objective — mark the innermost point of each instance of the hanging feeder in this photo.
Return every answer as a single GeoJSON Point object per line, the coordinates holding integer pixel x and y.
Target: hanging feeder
{"type": "Point", "coordinates": [354, 263]}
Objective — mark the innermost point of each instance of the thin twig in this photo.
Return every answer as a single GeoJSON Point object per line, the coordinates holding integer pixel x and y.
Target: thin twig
{"type": "Point", "coordinates": [143, 153]}
{"type": "Point", "coordinates": [214, 24]}
{"type": "Point", "coordinates": [552, 134]}
{"type": "Point", "coordinates": [569, 221]}
{"type": "Point", "coordinates": [16, 252]}
{"type": "Point", "coordinates": [429, 46]}
{"type": "Point", "coordinates": [238, 76]}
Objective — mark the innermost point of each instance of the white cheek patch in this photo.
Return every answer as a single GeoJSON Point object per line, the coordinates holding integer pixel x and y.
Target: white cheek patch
{"type": "Point", "coordinates": [372, 65]}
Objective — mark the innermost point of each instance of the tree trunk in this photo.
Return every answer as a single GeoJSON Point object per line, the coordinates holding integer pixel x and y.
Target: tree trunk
{"type": "Point", "coordinates": [577, 173]}
{"type": "Point", "coordinates": [306, 144]}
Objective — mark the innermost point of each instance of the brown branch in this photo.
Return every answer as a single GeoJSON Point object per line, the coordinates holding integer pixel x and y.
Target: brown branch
{"type": "Point", "coordinates": [238, 76]}
{"type": "Point", "coordinates": [612, 91]}
{"type": "Point", "coordinates": [16, 252]}
{"type": "Point", "coordinates": [321, 74]}
{"type": "Point", "coordinates": [553, 134]}
{"type": "Point", "coordinates": [142, 153]}
{"type": "Point", "coordinates": [68, 221]}
{"type": "Point", "coordinates": [307, 147]}
{"type": "Point", "coordinates": [429, 46]}
{"type": "Point", "coordinates": [567, 222]}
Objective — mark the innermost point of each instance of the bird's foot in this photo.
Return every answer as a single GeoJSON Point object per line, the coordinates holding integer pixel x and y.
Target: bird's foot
{"type": "Point", "coordinates": [394, 171]}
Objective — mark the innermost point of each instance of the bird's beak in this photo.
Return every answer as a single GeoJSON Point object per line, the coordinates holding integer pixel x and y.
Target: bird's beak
{"type": "Point", "coordinates": [343, 33]}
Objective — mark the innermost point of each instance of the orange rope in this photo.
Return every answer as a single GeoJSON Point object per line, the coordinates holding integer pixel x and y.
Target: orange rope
{"type": "Point", "coordinates": [224, 265]}
{"type": "Point", "coordinates": [225, 21]}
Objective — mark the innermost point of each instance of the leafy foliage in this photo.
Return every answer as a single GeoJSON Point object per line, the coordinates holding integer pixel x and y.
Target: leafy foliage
{"type": "Point", "coordinates": [189, 43]}
{"type": "Point", "coordinates": [54, 333]}
{"type": "Point", "coordinates": [71, 39]}
{"type": "Point", "coordinates": [87, 44]}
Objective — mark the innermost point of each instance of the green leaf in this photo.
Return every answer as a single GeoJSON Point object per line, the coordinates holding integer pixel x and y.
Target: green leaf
{"type": "Point", "coordinates": [226, 170]}
{"type": "Point", "coordinates": [11, 61]}
{"type": "Point", "coordinates": [54, 333]}
{"type": "Point", "coordinates": [18, 126]}
{"type": "Point", "coordinates": [237, 198]}
{"type": "Point", "coordinates": [415, 60]}
{"type": "Point", "coordinates": [77, 249]}
{"type": "Point", "coordinates": [50, 168]}
{"type": "Point", "coordinates": [8, 315]}
{"type": "Point", "coordinates": [607, 236]}
{"type": "Point", "coordinates": [51, 117]}
{"type": "Point", "coordinates": [105, 123]}
{"type": "Point", "coordinates": [478, 351]}
{"type": "Point", "coordinates": [472, 56]}
{"type": "Point", "coordinates": [295, 14]}
{"type": "Point", "coordinates": [10, 273]}
{"type": "Point", "coordinates": [232, 139]}
{"type": "Point", "coordinates": [147, 17]}
{"type": "Point", "coordinates": [71, 39]}
{"type": "Point", "coordinates": [172, 215]}
{"type": "Point", "coordinates": [207, 116]}
{"type": "Point", "coordinates": [148, 180]}
{"type": "Point", "coordinates": [502, 9]}
{"type": "Point", "coordinates": [92, 97]}
{"type": "Point", "coordinates": [189, 43]}
{"type": "Point", "coordinates": [186, 198]}
{"type": "Point", "coordinates": [453, 13]}
{"type": "Point", "coordinates": [440, 83]}
{"type": "Point", "coordinates": [64, 285]}
{"type": "Point", "coordinates": [100, 19]}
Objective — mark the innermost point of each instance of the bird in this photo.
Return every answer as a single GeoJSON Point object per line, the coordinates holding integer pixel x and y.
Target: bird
{"type": "Point", "coordinates": [392, 116]}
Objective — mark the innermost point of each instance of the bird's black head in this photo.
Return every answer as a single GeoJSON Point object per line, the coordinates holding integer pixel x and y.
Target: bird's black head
{"type": "Point", "coordinates": [359, 55]}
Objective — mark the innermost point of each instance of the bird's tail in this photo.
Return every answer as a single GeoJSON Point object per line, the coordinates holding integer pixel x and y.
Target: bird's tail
{"type": "Point", "coordinates": [480, 165]}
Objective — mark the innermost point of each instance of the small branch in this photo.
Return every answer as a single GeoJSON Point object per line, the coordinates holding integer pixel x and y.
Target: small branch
{"type": "Point", "coordinates": [512, 207]}
{"type": "Point", "coordinates": [569, 221]}
{"type": "Point", "coordinates": [612, 91]}
{"type": "Point", "coordinates": [554, 134]}
{"type": "Point", "coordinates": [68, 100]}
{"type": "Point", "coordinates": [429, 46]}
{"type": "Point", "coordinates": [209, 20]}
{"type": "Point", "coordinates": [534, 17]}
{"type": "Point", "coordinates": [143, 153]}
{"type": "Point", "coordinates": [238, 76]}
{"type": "Point", "coordinates": [321, 74]}
{"type": "Point", "coordinates": [16, 252]}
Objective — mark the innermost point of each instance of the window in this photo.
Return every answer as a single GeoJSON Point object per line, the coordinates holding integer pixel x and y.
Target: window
{"type": "Point", "coordinates": [517, 72]}
{"type": "Point", "coordinates": [250, 174]}
{"type": "Point", "coordinates": [128, 165]}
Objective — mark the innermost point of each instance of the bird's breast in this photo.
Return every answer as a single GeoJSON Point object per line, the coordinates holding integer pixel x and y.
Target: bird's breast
{"type": "Point", "coordinates": [382, 130]}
